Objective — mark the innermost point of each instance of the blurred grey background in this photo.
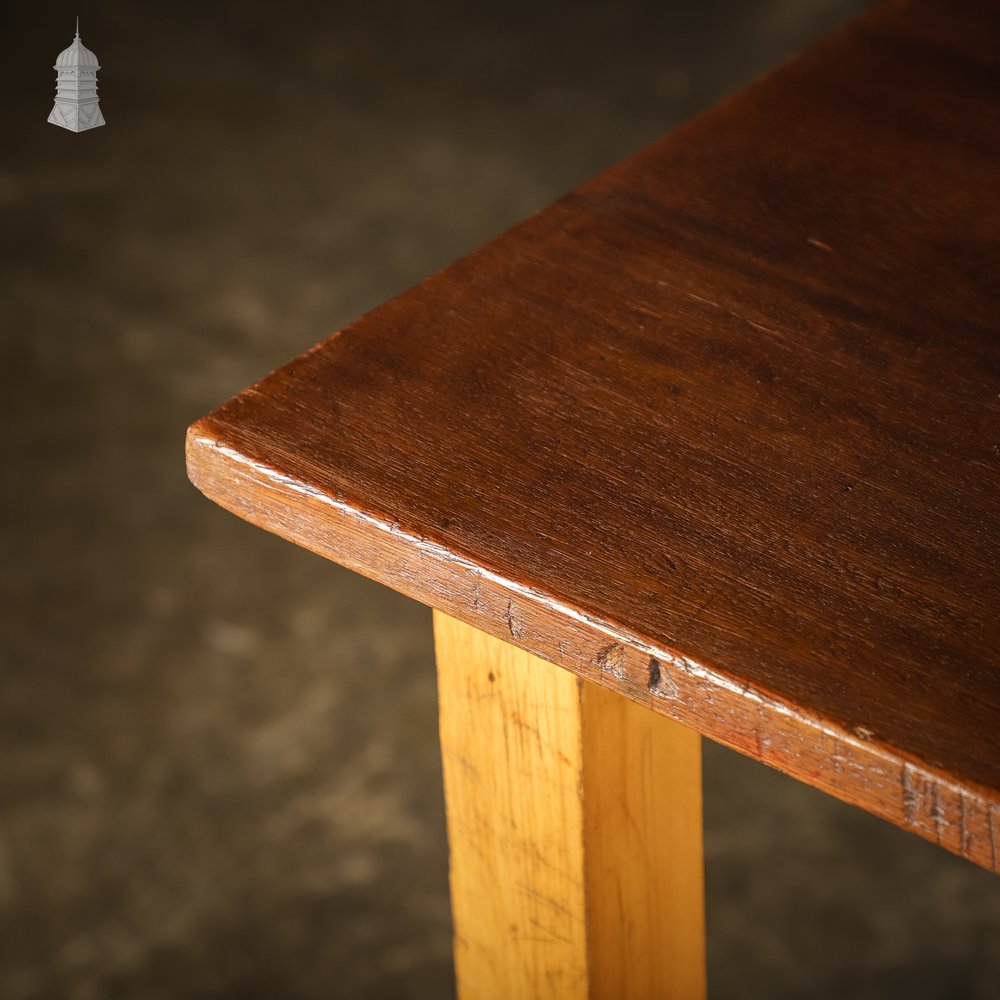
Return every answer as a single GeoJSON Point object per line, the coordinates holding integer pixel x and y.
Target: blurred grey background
{"type": "Point", "coordinates": [219, 774]}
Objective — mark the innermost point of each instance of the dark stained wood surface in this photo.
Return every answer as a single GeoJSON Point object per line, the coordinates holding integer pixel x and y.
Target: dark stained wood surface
{"type": "Point", "coordinates": [719, 430]}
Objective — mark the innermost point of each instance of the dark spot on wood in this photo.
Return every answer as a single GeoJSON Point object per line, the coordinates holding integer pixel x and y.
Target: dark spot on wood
{"type": "Point", "coordinates": [911, 799]}
{"type": "Point", "coordinates": [492, 676]}
{"type": "Point", "coordinates": [654, 673]}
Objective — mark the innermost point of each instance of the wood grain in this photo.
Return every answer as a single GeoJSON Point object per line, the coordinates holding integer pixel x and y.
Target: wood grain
{"type": "Point", "coordinates": [574, 826]}
{"type": "Point", "coordinates": [643, 845]}
{"type": "Point", "coordinates": [720, 430]}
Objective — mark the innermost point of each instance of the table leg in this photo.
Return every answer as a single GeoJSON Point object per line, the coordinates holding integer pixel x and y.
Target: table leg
{"type": "Point", "coordinates": [574, 825]}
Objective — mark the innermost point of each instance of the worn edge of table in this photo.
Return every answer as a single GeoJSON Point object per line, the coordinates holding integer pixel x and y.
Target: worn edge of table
{"type": "Point", "coordinates": [963, 818]}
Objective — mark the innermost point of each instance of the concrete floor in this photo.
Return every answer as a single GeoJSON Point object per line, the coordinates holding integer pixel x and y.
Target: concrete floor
{"type": "Point", "coordinates": [218, 766]}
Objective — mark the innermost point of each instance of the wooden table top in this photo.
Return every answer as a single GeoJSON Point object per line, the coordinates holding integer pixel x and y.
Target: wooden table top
{"type": "Point", "coordinates": [719, 430]}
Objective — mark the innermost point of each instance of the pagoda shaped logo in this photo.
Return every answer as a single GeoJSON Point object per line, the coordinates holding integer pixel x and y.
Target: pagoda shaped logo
{"type": "Point", "coordinates": [76, 106]}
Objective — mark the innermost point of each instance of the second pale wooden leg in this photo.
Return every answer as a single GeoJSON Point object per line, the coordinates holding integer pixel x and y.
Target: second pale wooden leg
{"type": "Point", "coordinates": [574, 826]}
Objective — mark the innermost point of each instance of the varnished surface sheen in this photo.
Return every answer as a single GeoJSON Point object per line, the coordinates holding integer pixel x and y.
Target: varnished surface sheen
{"type": "Point", "coordinates": [719, 430]}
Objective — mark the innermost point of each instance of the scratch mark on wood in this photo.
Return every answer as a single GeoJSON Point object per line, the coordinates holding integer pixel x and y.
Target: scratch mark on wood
{"type": "Point", "coordinates": [911, 799]}
{"type": "Point", "coordinates": [937, 811]}
{"type": "Point", "coordinates": [478, 604]}
{"type": "Point", "coordinates": [963, 837]}
{"type": "Point", "coordinates": [514, 625]}
{"type": "Point", "coordinates": [554, 904]}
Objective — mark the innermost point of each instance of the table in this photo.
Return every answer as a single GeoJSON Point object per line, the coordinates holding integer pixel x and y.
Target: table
{"type": "Point", "coordinates": [708, 446]}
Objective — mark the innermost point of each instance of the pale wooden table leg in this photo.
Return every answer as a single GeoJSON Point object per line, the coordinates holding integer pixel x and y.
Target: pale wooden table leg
{"type": "Point", "coordinates": [574, 824]}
